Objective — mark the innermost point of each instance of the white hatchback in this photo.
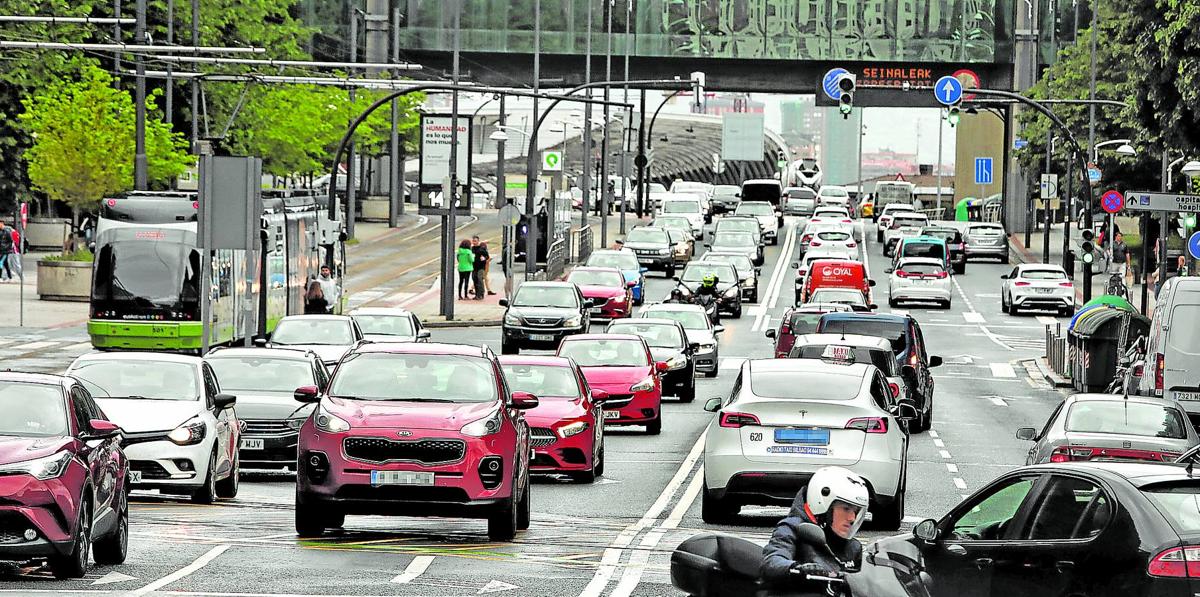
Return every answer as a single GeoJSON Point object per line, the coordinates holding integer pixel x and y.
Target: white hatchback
{"type": "Point", "coordinates": [904, 225]}
{"type": "Point", "coordinates": [833, 243]}
{"type": "Point", "coordinates": [919, 279]}
{"type": "Point", "coordinates": [786, 418]}
{"type": "Point", "coordinates": [884, 221]}
{"type": "Point", "coordinates": [1037, 286]}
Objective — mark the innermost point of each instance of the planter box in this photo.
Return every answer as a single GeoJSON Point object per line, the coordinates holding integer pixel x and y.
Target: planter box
{"type": "Point", "coordinates": [47, 233]}
{"type": "Point", "coordinates": [373, 209]}
{"type": "Point", "coordinates": [64, 280]}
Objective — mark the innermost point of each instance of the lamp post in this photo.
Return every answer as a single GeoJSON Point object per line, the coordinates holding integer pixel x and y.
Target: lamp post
{"type": "Point", "coordinates": [1125, 149]}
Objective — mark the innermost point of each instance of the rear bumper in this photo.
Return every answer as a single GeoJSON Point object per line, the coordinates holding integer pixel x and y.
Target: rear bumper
{"type": "Point", "coordinates": [919, 293]}
{"type": "Point", "coordinates": [656, 261]}
{"type": "Point", "coordinates": [1049, 301]}
{"type": "Point", "coordinates": [520, 336]}
{"type": "Point", "coordinates": [999, 250]}
{"type": "Point", "coordinates": [641, 409]}
{"type": "Point", "coordinates": [777, 483]}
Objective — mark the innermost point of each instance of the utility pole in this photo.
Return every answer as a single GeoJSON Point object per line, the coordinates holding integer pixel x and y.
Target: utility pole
{"type": "Point", "coordinates": [1087, 205]}
{"type": "Point", "coordinates": [531, 179]}
{"type": "Point", "coordinates": [450, 195]}
{"type": "Point", "coordinates": [141, 179]}
{"type": "Point", "coordinates": [351, 154]}
{"type": "Point", "coordinates": [396, 182]}
{"type": "Point", "coordinates": [626, 131]}
{"type": "Point", "coordinates": [941, 126]}
{"type": "Point", "coordinates": [602, 179]}
{"type": "Point", "coordinates": [586, 177]}
{"type": "Point", "coordinates": [195, 85]}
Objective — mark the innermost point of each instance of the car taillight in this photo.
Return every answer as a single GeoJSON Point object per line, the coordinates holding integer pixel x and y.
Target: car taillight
{"type": "Point", "coordinates": [1160, 365]}
{"type": "Point", "coordinates": [814, 243]}
{"type": "Point", "coordinates": [869, 424]}
{"type": "Point", "coordinates": [851, 245]}
{"type": "Point", "coordinates": [1177, 562]}
{"type": "Point", "coordinates": [1065, 284]}
{"type": "Point", "coordinates": [1021, 284]}
{"type": "Point", "coordinates": [1060, 454]}
{"type": "Point", "coordinates": [901, 273]}
{"type": "Point", "coordinates": [1083, 453]}
{"type": "Point", "coordinates": [895, 389]}
{"type": "Point", "coordinates": [941, 274]}
{"type": "Point", "coordinates": [807, 237]}
{"type": "Point", "coordinates": [733, 420]}
{"type": "Point", "coordinates": [912, 359]}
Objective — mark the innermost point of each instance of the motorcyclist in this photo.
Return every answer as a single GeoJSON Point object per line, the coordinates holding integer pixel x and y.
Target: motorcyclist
{"type": "Point", "coordinates": [708, 286]}
{"type": "Point", "coordinates": [835, 500]}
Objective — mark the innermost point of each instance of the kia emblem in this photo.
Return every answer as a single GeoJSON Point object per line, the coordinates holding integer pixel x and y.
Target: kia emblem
{"type": "Point", "coordinates": [404, 433]}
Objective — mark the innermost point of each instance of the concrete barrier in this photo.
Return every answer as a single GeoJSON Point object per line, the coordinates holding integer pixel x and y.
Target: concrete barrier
{"type": "Point", "coordinates": [64, 280]}
{"type": "Point", "coordinates": [47, 233]}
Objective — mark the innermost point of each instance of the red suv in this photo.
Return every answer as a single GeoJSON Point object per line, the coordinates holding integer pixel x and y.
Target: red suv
{"type": "Point", "coordinates": [798, 321]}
{"type": "Point", "coordinates": [622, 366]}
{"type": "Point", "coordinates": [418, 430]}
{"type": "Point", "coordinates": [62, 476]}
{"type": "Point", "coordinates": [567, 427]}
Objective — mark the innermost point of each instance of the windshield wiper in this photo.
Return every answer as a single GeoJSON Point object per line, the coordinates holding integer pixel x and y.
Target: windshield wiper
{"type": "Point", "coordinates": [139, 397]}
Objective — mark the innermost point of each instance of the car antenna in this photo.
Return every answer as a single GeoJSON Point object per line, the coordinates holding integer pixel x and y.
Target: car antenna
{"type": "Point", "coordinates": [843, 331]}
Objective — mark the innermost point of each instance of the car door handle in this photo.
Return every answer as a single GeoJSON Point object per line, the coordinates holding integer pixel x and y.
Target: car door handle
{"type": "Point", "coordinates": [956, 550]}
{"type": "Point", "coordinates": [984, 563]}
{"type": "Point", "coordinates": [1064, 566]}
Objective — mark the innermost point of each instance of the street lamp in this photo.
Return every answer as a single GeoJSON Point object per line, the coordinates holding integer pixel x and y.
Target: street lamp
{"type": "Point", "coordinates": [1191, 168]}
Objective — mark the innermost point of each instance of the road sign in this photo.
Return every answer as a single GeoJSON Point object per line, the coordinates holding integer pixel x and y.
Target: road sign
{"type": "Point", "coordinates": [742, 136]}
{"type": "Point", "coordinates": [1020, 143]}
{"type": "Point", "coordinates": [509, 215]}
{"type": "Point", "coordinates": [829, 83]}
{"type": "Point", "coordinates": [1194, 245]}
{"type": "Point", "coordinates": [552, 161]}
{"type": "Point", "coordinates": [1049, 186]}
{"type": "Point", "coordinates": [1150, 201]}
{"type": "Point", "coordinates": [948, 90]}
{"type": "Point", "coordinates": [983, 168]}
{"type": "Point", "coordinates": [1112, 202]}
{"type": "Point", "coordinates": [1094, 173]}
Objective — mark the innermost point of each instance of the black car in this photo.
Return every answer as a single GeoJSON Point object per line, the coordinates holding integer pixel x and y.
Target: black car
{"type": "Point", "coordinates": [907, 343]}
{"type": "Point", "coordinates": [653, 248]}
{"type": "Point", "coordinates": [1101, 529]}
{"type": "Point", "coordinates": [540, 314]}
{"type": "Point", "coordinates": [668, 343]}
{"type": "Point", "coordinates": [729, 287]}
{"type": "Point", "coordinates": [725, 198]}
{"type": "Point", "coordinates": [265, 382]}
{"type": "Point", "coordinates": [954, 244]}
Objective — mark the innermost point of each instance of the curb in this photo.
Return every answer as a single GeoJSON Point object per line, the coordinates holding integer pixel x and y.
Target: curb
{"type": "Point", "coordinates": [463, 323]}
{"type": "Point", "coordinates": [1050, 376]}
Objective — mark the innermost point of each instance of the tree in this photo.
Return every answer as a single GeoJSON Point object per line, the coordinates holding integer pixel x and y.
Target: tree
{"type": "Point", "coordinates": [83, 140]}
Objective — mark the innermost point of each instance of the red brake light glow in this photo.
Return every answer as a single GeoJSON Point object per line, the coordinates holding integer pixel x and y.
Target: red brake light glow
{"type": "Point", "coordinates": [814, 243]}
{"type": "Point", "coordinates": [732, 420]}
{"type": "Point", "coordinates": [901, 273]}
{"type": "Point", "coordinates": [1159, 366]}
{"type": "Point", "coordinates": [1177, 562]}
{"type": "Point", "coordinates": [940, 275]}
{"type": "Point", "coordinates": [1065, 284]}
{"type": "Point", "coordinates": [895, 389]}
{"type": "Point", "coordinates": [869, 424]}
{"type": "Point", "coordinates": [1021, 284]}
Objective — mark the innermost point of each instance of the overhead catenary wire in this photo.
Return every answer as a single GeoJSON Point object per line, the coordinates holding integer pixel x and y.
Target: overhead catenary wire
{"type": "Point", "coordinates": [67, 20]}
{"type": "Point", "coordinates": [291, 63]}
{"type": "Point", "coordinates": [129, 48]}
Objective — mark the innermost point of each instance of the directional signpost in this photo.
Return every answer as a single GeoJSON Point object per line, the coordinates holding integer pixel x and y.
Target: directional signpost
{"type": "Point", "coordinates": [1149, 201]}
{"type": "Point", "coordinates": [1112, 202]}
{"type": "Point", "coordinates": [948, 90]}
{"type": "Point", "coordinates": [983, 169]}
{"type": "Point", "coordinates": [1049, 186]}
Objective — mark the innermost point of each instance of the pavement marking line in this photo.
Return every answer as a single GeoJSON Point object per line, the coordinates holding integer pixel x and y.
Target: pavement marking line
{"type": "Point", "coordinates": [933, 433]}
{"type": "Point", "coordinates": [959, 483]}
{"type": "Point", "coordinates": [732, 362]}
{"type": "Point", "coordinates": [34, 345]}
{"type": "Point", "coordinates": [944, 454]}
{"type": "Point", "coordinates": [939, 443]}
{"type": "Point", "coordinates": [414, 570]}
{"type": "Point", "coordinates": [775, 284]}
{"type": "Point", "coordinates": [79, 346]}
{"type": "Point", "coordinates": [637, 564]}
{"type": "Point", "coordinates": [1002, 370]}
{"type": "Point", "coordinates": [998, 401]}
{"type": "Point", "coordinates": [973, 317]}
{"type": "Point", "coordinates": [1046, 320]}
{"type": "Point", "coordinates": [952, 468]}
{"type": "Point", "coordinates": [182, 573]}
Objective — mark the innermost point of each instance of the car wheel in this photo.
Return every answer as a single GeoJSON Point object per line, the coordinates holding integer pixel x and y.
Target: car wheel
{"type": "Point", "coordinates": [775, 240]}
{"type": "Point", "coordinates": [889, 517]}
{"type": "Point", "coordinates": [502, 524]}
{"type": "Point", "coordinates": [1004, 259]}
{"type": "Point", "coordinates": [1004, 304]}
{"type": "Point", "coordinates": [712, 373]}
{"type": "Point", "coordinates": [654, 427]}
{"type": "Point", "coordinates": [75, 563]}
{"type": "Point", "coordinates": [737, 313]}
{"type": "Point", "coordinates": [312, 521]}
{"type": "Point", "coordinates": [228, 487]}
{"type": "Point", "coordinates": [714, 510]}
{"type": "Point", "coordinates": [878, 237]}
{"type": "Point", "coordinates": [523, 507]}
{"type": "Point", "coordinates": [893, 303]}
{"type": "Point", "coordinates": [507, 347]}
{"type": "Point", "coordinates": [207, 493]}
{"type": "Point", "coordinates": [112, 549]}
{"type": "Point", "coordinates": [599, 466]}
{"type": "Point", "coordinates": [688, 393]}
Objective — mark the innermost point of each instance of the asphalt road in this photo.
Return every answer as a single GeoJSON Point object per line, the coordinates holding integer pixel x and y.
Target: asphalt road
{"type": "Point", "coordinates": [611, 538]}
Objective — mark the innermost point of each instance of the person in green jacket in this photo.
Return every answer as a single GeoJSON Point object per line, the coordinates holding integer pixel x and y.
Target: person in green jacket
{"type": "Point", "coordinates": [466, 265]}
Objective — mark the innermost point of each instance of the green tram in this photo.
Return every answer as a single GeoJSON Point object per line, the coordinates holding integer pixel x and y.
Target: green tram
{"type": "Point", "coordinates": [146, 274]}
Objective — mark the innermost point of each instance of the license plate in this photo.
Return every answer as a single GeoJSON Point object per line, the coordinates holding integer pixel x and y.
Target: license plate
{"type": "Point", "coordinates": [135, 476]}
{"type": "Point", "coordinates": [819, 437]}
{"type": "Point", "coordinates": [1042, 290]}
{"type": "Point", "coordinates": [541, 337]}
{"type": "Point", "coordinates": [251, 443]}
{"type": "Point", "coordinates": [597, 311]}
{"type": "Point", "coordinates": [612, 414]}
{"type": "Point", "coordinates": [401, 478]}
{"type": "Point", "coordinates": [1190, 396]}
{"type": "Point", "coordinates": [810, 450]}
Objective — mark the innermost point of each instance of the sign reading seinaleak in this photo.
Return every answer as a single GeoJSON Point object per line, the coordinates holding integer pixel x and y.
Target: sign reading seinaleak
{"type": "Point", "coordinates": [1148, 201]}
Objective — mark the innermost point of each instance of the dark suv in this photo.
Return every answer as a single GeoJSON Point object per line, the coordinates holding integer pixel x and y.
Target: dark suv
{"type": "Point", "coordinates": [907, 343]}
{"type": "Point", "coordinates": [653, 248]}
{"type": "Point", "coordinates": [541, 314]}
{"type": "Point", "coordinates": [955, 245]}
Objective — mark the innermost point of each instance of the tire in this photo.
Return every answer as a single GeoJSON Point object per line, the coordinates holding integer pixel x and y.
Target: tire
{"type": "Point", "coordinates": [228, 487]}
{"type": "Point", "coordinates": [1004, 305]}
{"type": "Point", "coordinates": [893, 303]}
{"type": "Point", "coordinates": [111, 550]}
{"type": "Point", "coordinates": [775, 240]}
{"type": "Point", "coordinates": [670, 272]}
{"type": "Point", "coordinates": [714, 510]}
{"type": "Point", "coordinates": [507, 347]}
{"type": "Point", "coordinates": [1004, 259]}
{"type": "Point", "coordinates": [688, 394]}
{"type": "Point", "coordinates": [207, 493]}
{"type": "Point", "coordinates": [878, 236]}
{"type": "Point", "coordinates": [654, 427]}
{"type": "Point", "coordinates": [312, 522]}
{"type": "Point", "coordinates": [946, 305]}
{"type": "Point", "coordinates": [737, 313]}
{"type": "Point", "coordinates": [524, 507]}
{"type": "Point", "coordinates": [710, 374]}
{"type": "Point", "coordinates": [600, 467]}
{"type": "Point", "coordinates": [502, 524]}
{"type": "Point", "coordinates": [889, 517]}
{"type": "Point", "coordinates": [75, 563]}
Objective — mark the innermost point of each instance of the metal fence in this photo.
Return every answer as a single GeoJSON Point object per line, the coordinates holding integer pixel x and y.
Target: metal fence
{"type": "Point", "coordinates": [581, 244]}
{"type": "Point", "coordinates": [1058, 351]}
{"type": "Point", "coordinates": [556, 259]}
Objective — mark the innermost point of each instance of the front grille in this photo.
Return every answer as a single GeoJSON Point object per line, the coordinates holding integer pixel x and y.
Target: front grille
{"type": "Point", "coordinates": [617, 400]}
{"type": "Point", "coordinates": [543, 321]}
{"type": "Point", "coordinates": [150, 469]}
{"type": "Point", "coordinates": [540, 437]}
{"type": "Point", "coordinates": [543, 461]}
{"type": "Point", "coordinates": [12, 528]}
{"type": "Point", "coordinates": [267, 427]}
{"type": "Point", "coordinates": [425, 451]}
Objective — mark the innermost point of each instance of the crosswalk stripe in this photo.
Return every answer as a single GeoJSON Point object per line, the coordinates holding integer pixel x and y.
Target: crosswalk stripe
{"type": "Point", "coordinates": [84, 346]}
{"type": "Point", "coordinates": [1002, 370]}
{"type": "Point", "coordinates": [732, 362]}
{"type": "Point", "coordinates": [34, 345]}
{"type": "Point", "coordinates": [1046, 319]}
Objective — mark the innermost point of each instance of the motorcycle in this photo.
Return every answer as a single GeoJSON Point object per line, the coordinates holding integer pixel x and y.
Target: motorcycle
{"type": "Point", "coordinates": [709, 303]}
{"type": "Point", "coordinates": [720, 565]}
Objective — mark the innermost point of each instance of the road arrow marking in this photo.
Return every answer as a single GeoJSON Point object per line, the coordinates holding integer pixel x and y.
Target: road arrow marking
{"type": "Point", "coordinates": [415, 569]}
{"type": "Point", "coordinates": [113, 577]}
{"type": "Point", "coordinates": [496, 586]}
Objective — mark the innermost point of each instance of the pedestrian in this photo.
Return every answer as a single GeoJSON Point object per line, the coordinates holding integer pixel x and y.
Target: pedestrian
{"type": "Point", "coordinates": [1120, 257]}
{"type": "Point", "coordinates": [618, 245]}
{"type": "Point", "coordinates": [6, 250]}
{"type": "Point", "coordinates": [329, 287]}
{"type": "Point", "coordinates": [487, 270]}
{"type": "Point", "coordinates": [479, 251]}
{"type": "Point", "coordinates": [14, 258]}
{"type": "Point", "coordinates": [466, 266]}
{"type": "Point", "coordinates": [1179, 270]}
{"type": "Point", "coordinates": [314, 299]}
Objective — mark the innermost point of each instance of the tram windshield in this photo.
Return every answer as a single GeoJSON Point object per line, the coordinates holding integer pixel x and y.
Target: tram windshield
{"type": "Point", "coordinates": [147, 279]}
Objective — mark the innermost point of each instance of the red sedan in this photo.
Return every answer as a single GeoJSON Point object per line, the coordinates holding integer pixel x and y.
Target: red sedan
{"type": "Point", "coordinates": [566, 429]}
{"type": "Point", "coordinates": [622, 366]}
{"type": "Point", "coordinates": [606, 286]}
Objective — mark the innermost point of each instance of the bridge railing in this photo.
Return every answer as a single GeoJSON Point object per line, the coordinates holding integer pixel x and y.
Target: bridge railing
{"type": "Point", "coordinates": [581, 244]}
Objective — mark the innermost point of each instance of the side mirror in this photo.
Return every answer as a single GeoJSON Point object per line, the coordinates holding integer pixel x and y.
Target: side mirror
{"type": "Point", "coordinates": [888, 270]}
{"type": "Point", "coordinates": [523, 401]}
{"type": "Point", "coordinates": [629, 284]}
{"type": "Point", "coordinates": [661, 366]}
{"type": "Point", "coordinates": [588, 303]}
{"type": "Point", "coordinates": [223, 401]}
{"type": "Point", "coordinates": [102, 429]}
{"type": "Point", "coordinates": [935, 361]}
{"type": "Point", "coordinates": [503, 302]}
{"type": "Point", "coordinates": [424, 335]}
{"type": "Point", "coordinates": [871, 283]}
{"type": "Point", "coordinates": [926, 530]}
{"type": "Point", "coordinates": [708, 245]}
{"type": "Point", "coordinates": [810, 533]}
{"type": "Point", "coordinates": [260, 342]}
{"type": "Point", "coordinates": [305, 394]}
{"type": "Point", "coordinates": [717, 329]}
{"type": "Point", "coordinates": [675, 278]}
{"type": "Point", "coordinates": [872, 307]}
{"type": "Point", "coordinates": [1028, 434]}
{"type": "Point", "coordinates": [770, 333]}
{"type": "Point", "coordinates": [906, 410]}
{"type": "Point", "coordinates": [1004, 277]}
{"type": "Point", "coordinates": [599, 396]}
{"type": "Point", "coordinates": [713, 405]}
{"type": "Point", "coordinates": [795, 265]}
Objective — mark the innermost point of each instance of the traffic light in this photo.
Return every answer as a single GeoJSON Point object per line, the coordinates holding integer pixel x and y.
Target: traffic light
{"type": "Point", "coordinates": [1088, 246]}
{"type": "Point", "coordinates": [846, 84]}
{"type": "Point", "coordinates": [953, 113]}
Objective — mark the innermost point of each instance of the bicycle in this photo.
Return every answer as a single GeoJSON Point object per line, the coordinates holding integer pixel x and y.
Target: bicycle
{"type": "Point", "coordinates": [1117, 287]}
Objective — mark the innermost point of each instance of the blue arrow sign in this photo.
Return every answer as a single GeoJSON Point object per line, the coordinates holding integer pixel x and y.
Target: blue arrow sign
{"type": "Point", "coordinates": [948, 90]}
{"type": "Point", "coordinates": [983, 170]}
{"type": "Point", "coordinates": [830, 82]}
{"type": "Point", "coordinates": [1194, 245]}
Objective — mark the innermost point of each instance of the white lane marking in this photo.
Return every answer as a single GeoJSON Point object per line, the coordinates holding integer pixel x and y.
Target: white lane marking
{"type": "Point", "coordinates": [116, 577]}
{"type": "Point", "coordinates": [973, 317]}
{"type": "Point", "coordinates": [998, 401]}
{"type": "Point", "coordinates": [34, 345]}
{"type": "Point", "coordinates": [637, 564]}
{"type": "Point", "coordinates": [182, 573]}
{"type": "Point", "coordinates": [995, 338]}
{"type": "Point", "coordinates": [775, 284]}
{"type": "Point", "coordinates": [939, 443]}
{"type": "Point", "coordinates": [959, 483]}
{"type": "Point", "coordinates": [1046, 320]}
{"type": "Point", "coordinates": [933, 433]}
{"type": "Point", "coordinates": [685, 501]}
{"type": "Point", "coordinates": [496, 586]}
{"type": "Point", "coordinates": [899, 312]}
{"type": "Point", "coordinates": [990, 295]}
{"type": "Point", "coordinates": [1002, 370]}
{"type": "Point", "coordinates": [944, 454]}
{"type": "Point", "coordinates": [414, 570]}
{"type": "Point", "coordinates": [952, 468]}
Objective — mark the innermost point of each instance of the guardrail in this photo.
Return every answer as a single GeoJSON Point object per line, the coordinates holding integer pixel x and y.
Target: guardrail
{"type": "Point", "coordinates": [1058, 351]}
{"type": "Point", "coordinates": [556, 259]}
{"type": "Point", "coordinates": [581, 244]}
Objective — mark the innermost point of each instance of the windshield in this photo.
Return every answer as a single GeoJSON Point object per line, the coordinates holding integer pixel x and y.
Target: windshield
{"type": "Point", "coordinates": [902, 221]}
{"type": "Point", "coordinates": [261, 374]}
{"type": "Point", "coordinates": [305, 330]}
{"type": "Point", "coordinates": [834, 192]}
{"type": "Point", "coordinates": [619, 259]}
{"type": "Point", "coordinates": [724, 190]}
{"type": "Point", "coordinates": [32, 410]}
{"type": "Point", "coordinates": [804, 323]}
{"type": "Point", "coordinates": [1179, 501]}
{"type": "Point", "coordinates": [681, 207]}
{"type": "Point", "coordinates": [1126, 418]}
{"type": "Point", "coordinates": [836, 295]}
{"type": "Point", "coordinates": [755, 209]}
{"type": "Point", "coordinates": [740, 262]}
{"type": "Point", "coordinates": [882, 359]}
{"type": "Point", "coordinates": [596, 352]}
{"type": "Point", "coordinates": [690, 319]}
{"type": "Point", "coordinates": [890, 193]}
{"type": "Point", "coordinates": [924, 269]}
{"type": "Point", "coordinates": [738, 225]}
{"type": "Point", "coordinates": [985, 230]}
{"type": "Point", "coordinates": [147, 273]}
{"type": "Point", "coordinates": [678, 222]}
{"type": "Point", "coordinates": [385, 325]}
{"type": "Point", "coordinates": [695, 272]}
{"type": "Point", "coordinates": [801, 194]}
{"type": "Point", "coordinates": [1043, 274]}
{"type": "Point", "coordinates": [833, 235]}
{"type": "Point", "coordinates": [546, 296]}
{"type": "Point", "coordinates": [893, 332]}
{"type": "Point", "coordinates": [142, 378]}
{"type": "Point", "coordinates": [657, 335]}
{"type": "Point", "coordinates": [734, 239]}
{"type": "Point", "coordinates": [543, 381]}
{"type": "Point", "coordinates": [656, 236]}
{"type": "Point", "coordinates": [414, 377]}
{"type": "Point", "coordinates": [795, 385]}
{"type": "Point", "coordinates": [931, 250]}
{"type": "Point", "coordinates": [597, 278]}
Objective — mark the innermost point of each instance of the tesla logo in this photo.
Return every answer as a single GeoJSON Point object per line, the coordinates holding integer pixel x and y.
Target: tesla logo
{"type": "Point", "coordinates": [403, 433]}
{"type": "Point", "coordinates": [803, 413]}
{"type": "Point", "coordinates": [1126, 444]}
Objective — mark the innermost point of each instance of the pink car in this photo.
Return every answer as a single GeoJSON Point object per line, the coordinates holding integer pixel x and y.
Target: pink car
{"type": "Point", "coordinates": [417, 430]}
{"type": "Point", "coordinates": [622, 366]}
{"type": "Point", "coordinates": [567, 427]}
{"type": "Point", "coordinates": [63, 476]}
{"type": "Point", "coordinates": [606, 286]}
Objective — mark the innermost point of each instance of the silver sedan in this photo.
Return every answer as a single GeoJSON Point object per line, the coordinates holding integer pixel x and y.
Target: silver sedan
{"type": "Point", "coordinates": [1111, 427]}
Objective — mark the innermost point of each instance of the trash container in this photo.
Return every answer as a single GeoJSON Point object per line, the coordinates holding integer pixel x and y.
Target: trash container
{"type": "Point", "coordinates": [1095, 336]}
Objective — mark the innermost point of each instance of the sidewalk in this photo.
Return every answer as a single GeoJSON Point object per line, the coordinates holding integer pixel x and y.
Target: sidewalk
{"type": "Point", "coordinates": [38, 313]}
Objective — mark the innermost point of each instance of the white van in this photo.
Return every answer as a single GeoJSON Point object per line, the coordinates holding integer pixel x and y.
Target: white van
{"type": "Point", "coordinates": [687, 205]}
{"type": "Point", "coordinates": [1172, 368]}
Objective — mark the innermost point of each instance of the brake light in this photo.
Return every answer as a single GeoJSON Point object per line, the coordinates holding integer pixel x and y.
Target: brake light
{"type": "Point", "coordinates": [901, 273]}
{"type": "Point", "coordinates": [912, 359]}
{"type": "Point", "coordinates": [1021, 284]}
{"type": "Point", "coordinates": [732, 420]}
{"type": "Point", "coordinates": [941, 274]}
{"type": "Point", "coordinates": [1065, 284]}
{"type": "Point", "coordinates": [851, 245]}
{"type": "Point", "coordinates": [869, 424]}
{"type": "Point", "coordinates": [815, 243]}
{"type": "Point", "coordinates": [807, 237]}
{"type": "Point", "coordinates": [1060, 454]}
{"type": "Point", "coordinates": [1160, 366]}
{"type": "Point", "coordinates": [1177, 562]}
{"type": "Point", "coordinates": [1083, 453]}
{"type": "Point", "coordinates": [895, 389]}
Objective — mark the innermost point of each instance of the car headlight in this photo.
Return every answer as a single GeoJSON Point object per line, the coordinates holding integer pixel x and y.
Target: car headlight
{"type": "Point", "coordinates": [643, 386]}
{"type": "Point", "coordinates": [296, 424]}
{"type": "Point", "coordinates": [707, 347]}
{"type": "Point", "coordinates": [512, 319]}
{"type": "Point", "coordinates": [44, 468]}
{"type": "Point", "coordinates": [329, 422]}
{"type": "Point", "coordinates": [190, 433]}
{"type": "Point", "coordinates": [750, 283]}
{"type": "Point", "coordinates": [666, 251]}
{"type": "Point", "coordinates": [732, 292]}
{"type": "Point", "coordinates": [574, 321]}
{"type": "Point", "coordinates": [572, 429]}
{"type": "Point", "coordinates": [676, 362]}
{"type": "Point", "coordinates": [485, 426]}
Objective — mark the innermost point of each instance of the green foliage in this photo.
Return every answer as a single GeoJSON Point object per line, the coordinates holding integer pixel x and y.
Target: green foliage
{"type": "Point", "coordinates": [83, 140]}
{"type": "Point", "coordinates": [80, 254]}
{"type": "Point", "coordinates": [1165, 59]}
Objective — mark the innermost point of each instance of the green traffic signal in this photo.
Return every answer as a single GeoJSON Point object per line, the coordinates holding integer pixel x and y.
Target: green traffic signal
{"type": "Point", "coordinates": [953, 115]}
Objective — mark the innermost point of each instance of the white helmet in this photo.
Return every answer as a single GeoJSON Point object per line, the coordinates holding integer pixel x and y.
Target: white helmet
{"type": "Point", "coordinates": [835, 484]}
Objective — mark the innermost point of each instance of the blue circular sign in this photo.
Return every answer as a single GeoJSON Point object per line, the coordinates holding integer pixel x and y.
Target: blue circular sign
{"type": "Point", "coordinates": [1194, 245]}
{"type": "Point", "coordinates": [948, 90]}
{"type": "Point", "coordinates": [830, 82]}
